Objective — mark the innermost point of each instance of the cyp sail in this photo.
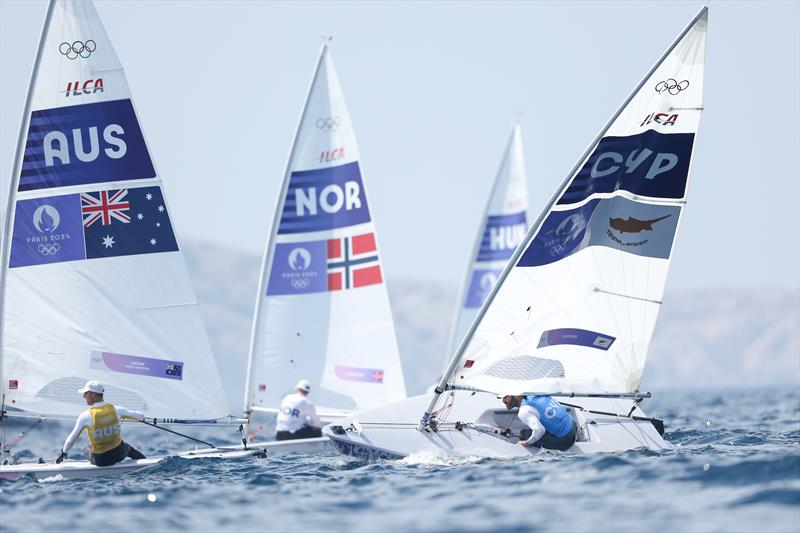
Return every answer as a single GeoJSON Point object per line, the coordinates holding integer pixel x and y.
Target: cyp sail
{"type": "Point", "coordinates": [575, 309]}
{"type": "Point", "coordinates": [503, 227]}
{"type": "Point", "coordinates": [322, 311]}
{"type": "Point", "coordinates": [94, 282]}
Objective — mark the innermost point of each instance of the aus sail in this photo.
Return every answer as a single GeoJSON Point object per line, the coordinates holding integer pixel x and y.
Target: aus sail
{"type": "Point", "coordinates": [94, 283]}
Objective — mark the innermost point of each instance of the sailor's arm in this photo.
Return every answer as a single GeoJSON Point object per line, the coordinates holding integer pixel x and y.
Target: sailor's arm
{"type": "Point", "coordinates": [127, 413]}
{"type": "Point", "coordinates": [530, 418]}
{"type": "Point", "coordinates": [80, 424]}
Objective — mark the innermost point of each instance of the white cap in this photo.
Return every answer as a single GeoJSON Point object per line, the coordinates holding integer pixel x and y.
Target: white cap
{"type": "Point", "coordinates": [93, 386]}
{"type": "Point", "coordinates": [303, 385]}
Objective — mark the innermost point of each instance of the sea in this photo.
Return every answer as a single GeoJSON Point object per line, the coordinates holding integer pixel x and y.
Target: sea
{"type": "Point", "coordinates": [735, 466]}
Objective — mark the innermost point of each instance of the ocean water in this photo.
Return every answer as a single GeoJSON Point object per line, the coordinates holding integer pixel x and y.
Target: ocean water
{"type": "Point", "coordinates": [735, 467]}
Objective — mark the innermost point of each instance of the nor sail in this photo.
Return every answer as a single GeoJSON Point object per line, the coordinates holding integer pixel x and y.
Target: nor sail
{"type": "Point", "coordinates": [94, 284]}
{"type": "Point", "coordinates": [503, 226]}
{"type": "Point", "coordinates": [322, 311]}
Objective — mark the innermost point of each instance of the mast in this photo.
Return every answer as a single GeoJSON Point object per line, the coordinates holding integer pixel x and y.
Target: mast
{"type": "Point", "coordinates": [534, 229]}
{"type": "Point", "coordinates": [267, 257]}
{"type": "Point", "coordinates": [451, 343]}
{"type": "Point", "coordinates": [5, 245]}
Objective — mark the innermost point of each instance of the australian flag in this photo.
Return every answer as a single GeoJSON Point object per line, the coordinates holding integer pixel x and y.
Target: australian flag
{"type": "Point", "coordinates": [126, 222]}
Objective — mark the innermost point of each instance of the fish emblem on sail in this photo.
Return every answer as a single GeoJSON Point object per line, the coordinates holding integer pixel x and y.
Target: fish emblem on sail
{"type": "Point", "coordinates": [633, 225]}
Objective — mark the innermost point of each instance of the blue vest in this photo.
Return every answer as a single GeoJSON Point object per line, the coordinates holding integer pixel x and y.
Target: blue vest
{"type": "Point", "coordinates": [552, 415]}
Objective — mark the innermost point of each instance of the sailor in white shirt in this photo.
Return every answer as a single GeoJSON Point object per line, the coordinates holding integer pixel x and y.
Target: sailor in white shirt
{"type": "Point", "coordinates": [297, 418]}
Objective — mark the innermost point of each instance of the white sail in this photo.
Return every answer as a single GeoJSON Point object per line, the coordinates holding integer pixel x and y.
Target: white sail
{"type": "Point", "coordinates": [94, 283]}
{"type": "Point", "coordinates": [503, 226]}
{"type": "Point", "coordinates": [322, 312]}
{"type": "Point", "coordinates": [576, 307]}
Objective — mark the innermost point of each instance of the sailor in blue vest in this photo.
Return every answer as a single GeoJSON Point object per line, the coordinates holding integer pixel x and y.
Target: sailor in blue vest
{"type": "Point", "coordinates": [551, 425]}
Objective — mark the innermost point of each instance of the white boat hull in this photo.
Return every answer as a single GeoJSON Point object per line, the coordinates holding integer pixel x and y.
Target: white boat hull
{"type": "Point", "coordinates": [298, 446]}
{"type": "Point", "coordinates": [233, 452]}
{"type": "Point", "coordinates": [282, 447]}
{"type": "Point", "coordinates": [76, 469]}
{"type": "Point", "coordinates": [85, 469]}
{"type": "Point", "coordinates": [390, 431]}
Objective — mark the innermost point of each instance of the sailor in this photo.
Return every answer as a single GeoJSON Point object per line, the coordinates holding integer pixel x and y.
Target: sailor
{"type": "Point", "coordinates": [551, 425]}
{"type": "Point", "coordinates": [297, 418]}
{"type": "Point", "coordinates": [101, 420]}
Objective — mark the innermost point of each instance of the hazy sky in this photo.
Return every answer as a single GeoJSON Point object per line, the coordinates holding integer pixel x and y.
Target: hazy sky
{"type": "Point", "coordinates": [432, 90]}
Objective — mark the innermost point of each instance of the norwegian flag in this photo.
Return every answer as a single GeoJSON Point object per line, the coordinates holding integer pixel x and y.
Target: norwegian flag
{"type": "Point", "coordinates": [353, 262]}
{"type": "Point", "coordinates": [104, 206]}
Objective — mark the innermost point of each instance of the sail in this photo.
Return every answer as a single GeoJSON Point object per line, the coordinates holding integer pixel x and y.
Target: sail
{"type": "Point", "coordinates": [323, 312]}
{"type": "Point", "coordinates": [95, 284]}
{"type": "Point", "coordinates": [503, 226]}
{"type": "Point", "coordinates": [576, 307]}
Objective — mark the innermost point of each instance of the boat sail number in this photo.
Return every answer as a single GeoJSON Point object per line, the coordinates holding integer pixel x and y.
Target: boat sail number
{"type": "Point", "coordinates": [85, 143]}
{"type": "Point", "coordinates": [609, 163]}
{"type": "Point", "coordinates": [323, 199]}
{"type": "Point", "coordinates": [57, 145]}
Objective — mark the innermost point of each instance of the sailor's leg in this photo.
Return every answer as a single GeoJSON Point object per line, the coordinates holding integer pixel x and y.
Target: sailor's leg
{"type": "Point", "coordinates": [133, 453]}
{"type": "Point", "coordinates": [110, 457]}
{"type": "Point", "coordinates": [551, 442]}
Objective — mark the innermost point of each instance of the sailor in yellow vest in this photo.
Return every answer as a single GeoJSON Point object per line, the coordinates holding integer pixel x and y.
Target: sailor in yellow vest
{"type": "Point", "coordinates": [101, 421]}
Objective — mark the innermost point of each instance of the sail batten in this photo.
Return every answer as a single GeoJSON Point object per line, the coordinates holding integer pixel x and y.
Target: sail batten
{"type": "Point", "coordinates": [95, 285]}
{"type": "Point", "coordinates": [322, 312]}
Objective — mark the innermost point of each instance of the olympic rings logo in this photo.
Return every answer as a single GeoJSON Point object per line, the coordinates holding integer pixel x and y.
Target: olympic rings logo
{"type": "Point", "coordinates": [301, 283]}
{"type": "Point", "coordinates": [77, 49]}
{"type": "Point", "coordinates": [329, 124]}
{"type": "Point", "coordinates": [49, 249]}
{"type": "Point", "coordinates": [672, 86]}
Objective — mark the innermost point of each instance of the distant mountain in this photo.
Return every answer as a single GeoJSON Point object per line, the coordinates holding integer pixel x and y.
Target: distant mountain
{"type": "Point", "coordinates": [703, 338]}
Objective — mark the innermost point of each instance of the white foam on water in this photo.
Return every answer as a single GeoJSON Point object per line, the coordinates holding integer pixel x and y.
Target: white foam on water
{"type": "Point", "coordinates": [440, 458]}
{"type": "Point", "coordinates": [51, 479]}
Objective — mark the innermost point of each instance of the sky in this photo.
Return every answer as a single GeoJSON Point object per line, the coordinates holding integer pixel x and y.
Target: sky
{"type": "Point", "coordinates": [433, 89]}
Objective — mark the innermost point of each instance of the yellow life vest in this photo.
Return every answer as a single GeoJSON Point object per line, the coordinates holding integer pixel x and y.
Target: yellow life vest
{"type": "Point", "coordinates": [104, 434]}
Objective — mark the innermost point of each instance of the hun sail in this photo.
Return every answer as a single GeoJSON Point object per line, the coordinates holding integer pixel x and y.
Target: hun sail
{"type": "Point", "coordinates": [503, 226]}
{"type": "Point", "coordinates": [322, 312]}
{"type": "Point", "coordinates": [576, 308]}
{"type": "Point", "coordinates": [94, 282]}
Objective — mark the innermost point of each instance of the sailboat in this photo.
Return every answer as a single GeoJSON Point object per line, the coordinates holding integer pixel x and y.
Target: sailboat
{"type": "Point", "coordinates": [572, 315]}
{"type": "Point", "coordinates": [322, 311]}
{"type": "Point", "coordinates": [93, 284]}
{"type": "Point", "coordinates": [503, 226]}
